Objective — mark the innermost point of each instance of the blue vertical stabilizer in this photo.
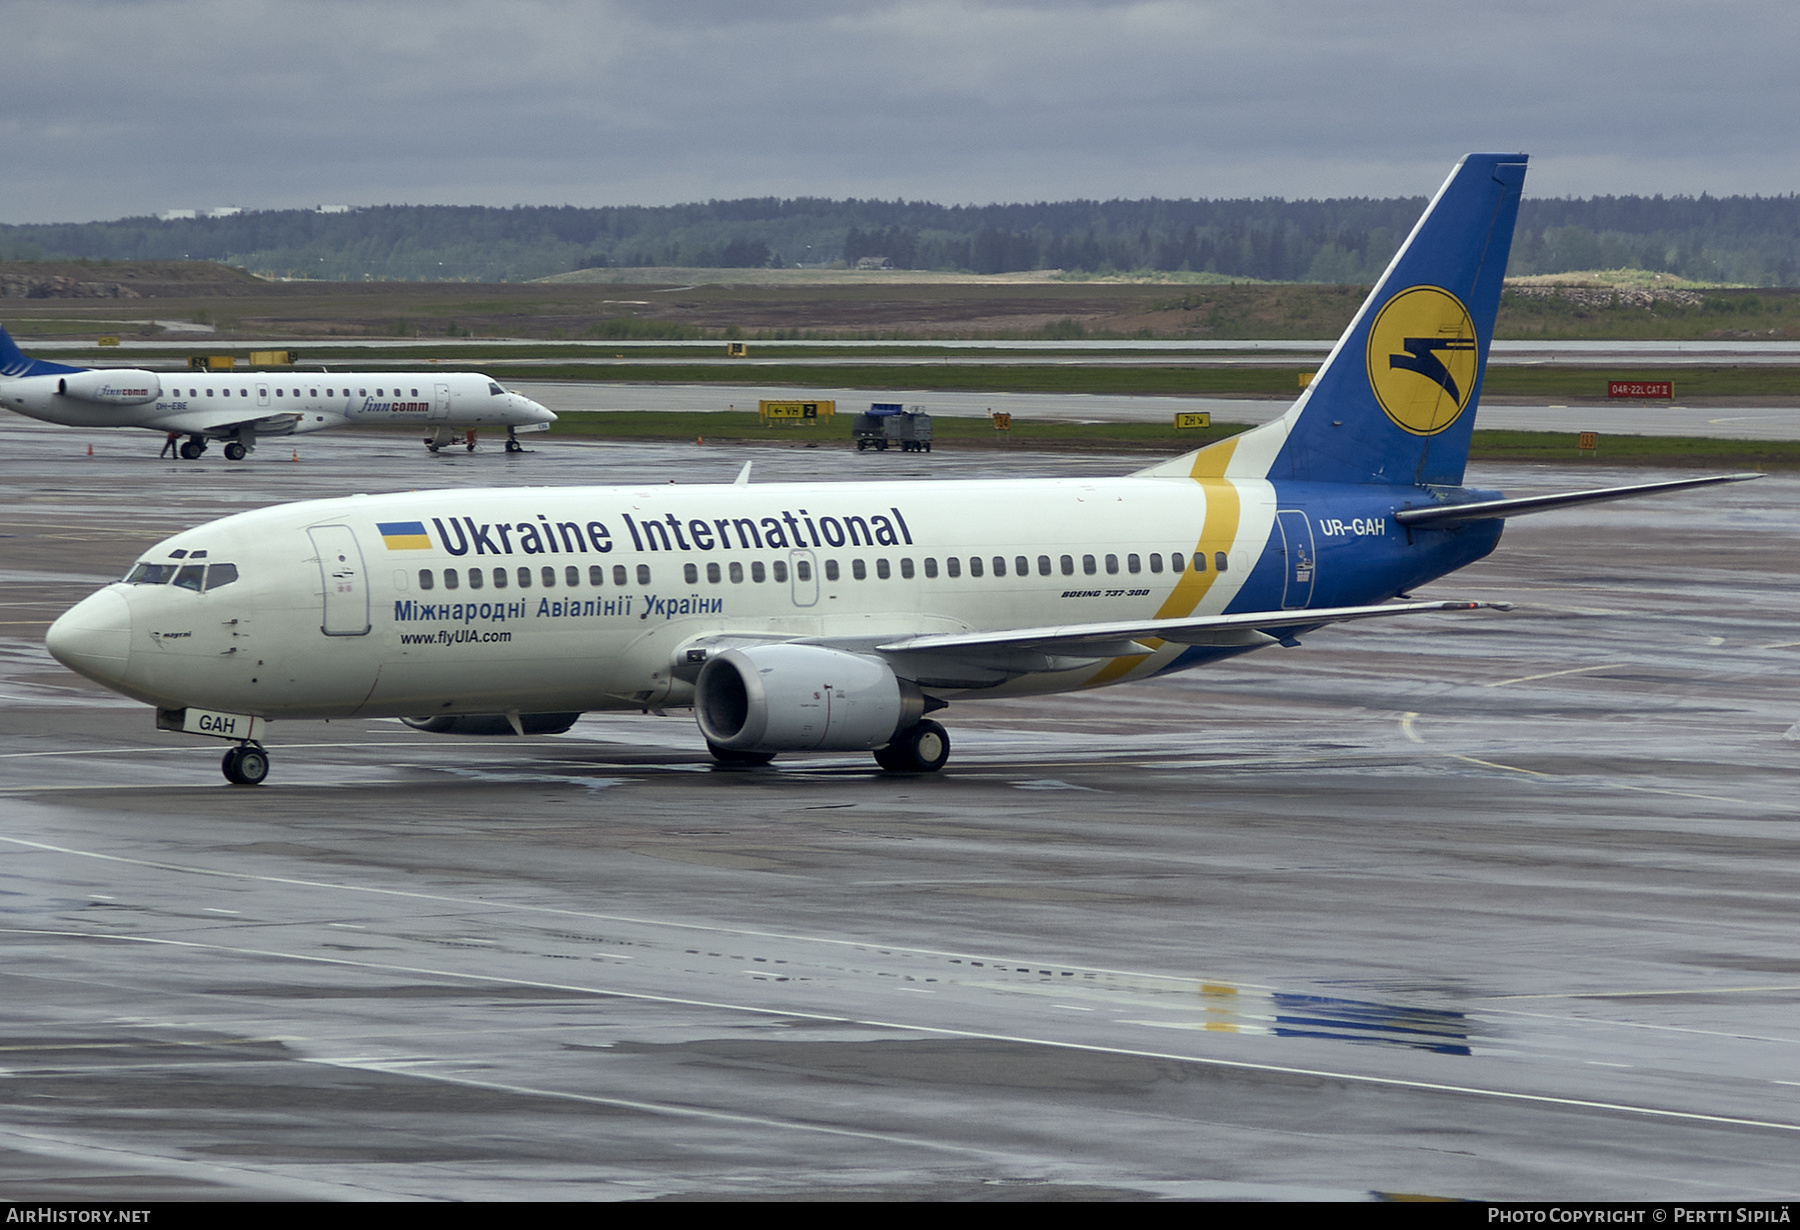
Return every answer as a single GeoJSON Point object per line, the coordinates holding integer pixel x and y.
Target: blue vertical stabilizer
{"type": "Point", "coordinates": [1395, 402]}
{"type": "Point", "coordinates": [15, 362]}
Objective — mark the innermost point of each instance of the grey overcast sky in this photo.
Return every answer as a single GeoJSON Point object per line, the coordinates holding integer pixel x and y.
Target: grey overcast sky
{"type": "Point", "coordinates": [116, 107]}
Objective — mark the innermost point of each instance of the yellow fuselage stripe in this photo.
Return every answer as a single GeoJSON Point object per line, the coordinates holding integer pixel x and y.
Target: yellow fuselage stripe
{"type": "Point", "coordinates": [1220, 526]}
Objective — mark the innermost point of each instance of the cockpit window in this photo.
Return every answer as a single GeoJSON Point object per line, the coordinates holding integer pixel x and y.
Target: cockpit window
{"type": "Point", "coordinates": [151, 574]}
{"type": "Point", "coordinates": [495, 390]}
{"type": "Point", "coordinates": [191, 576]}
{"type": "Point", "coordinates": [220, 574]}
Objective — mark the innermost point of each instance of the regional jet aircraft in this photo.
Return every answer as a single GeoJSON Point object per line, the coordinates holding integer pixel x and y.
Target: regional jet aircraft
{"type": "Point", "coordinates": [239, 407]}
{"type": "Point", "coordinates": [837, 616]}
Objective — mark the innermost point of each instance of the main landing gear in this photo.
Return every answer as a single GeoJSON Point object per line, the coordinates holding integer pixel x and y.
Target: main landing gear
{"type": "Point", "coordinates": [192, 447]}
{"type": "Point", "coordinates": [246, 764]}
{"type": "Point", "coordinates": [922, 748]}
{"type": "Point", "coordinates": [444, 438]}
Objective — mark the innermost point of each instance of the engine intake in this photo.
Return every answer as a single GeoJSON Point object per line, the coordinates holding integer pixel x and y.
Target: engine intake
{"type": "Point", "coordinates": [790, 698]}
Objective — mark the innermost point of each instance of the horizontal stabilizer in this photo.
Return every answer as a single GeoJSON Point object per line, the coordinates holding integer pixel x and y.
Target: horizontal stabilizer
{"type": "Point", "coordinates": [1118, 639]}
{"type": "Point", "coordinates": [1488, 510]}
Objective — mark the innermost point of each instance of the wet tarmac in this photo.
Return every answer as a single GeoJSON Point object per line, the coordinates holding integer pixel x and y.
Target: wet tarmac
{"type": "Point", "coordinates": [1491, 906]}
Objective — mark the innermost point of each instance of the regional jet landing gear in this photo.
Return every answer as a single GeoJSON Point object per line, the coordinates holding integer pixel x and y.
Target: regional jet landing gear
{"type": "Point", "coordinates": [512, 442]}
{"type": "Point", "coordinates": [192, 447]}
{"type": "Point", "coordinates": [443, 437]}
{"type": "Point", "coordinates": [246, 764]}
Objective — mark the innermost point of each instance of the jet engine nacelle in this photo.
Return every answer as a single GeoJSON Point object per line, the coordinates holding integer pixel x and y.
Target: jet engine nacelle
{"type": "Point", "coordinates": [493, 723]}
{"type": "Point", "coordinates": [111, 387]}
{"type": "Point", "coordinates": [789, 698]}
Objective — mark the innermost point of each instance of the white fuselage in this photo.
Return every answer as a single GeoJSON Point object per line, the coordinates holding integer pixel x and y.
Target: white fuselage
{"type": "Point", "coordinates": [539, 600]}
{"type": "Point", "coordinates": [276, 403]}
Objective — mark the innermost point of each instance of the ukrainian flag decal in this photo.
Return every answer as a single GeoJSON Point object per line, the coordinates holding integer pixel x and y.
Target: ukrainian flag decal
{"type": "Point", "coordinates": [1423, 357]}
{"type": "Point", "coordinates": [404, 535]}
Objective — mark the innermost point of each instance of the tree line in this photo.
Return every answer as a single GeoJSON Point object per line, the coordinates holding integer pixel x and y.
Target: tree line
{"type": "Point", "coordinates": [1753, 240]}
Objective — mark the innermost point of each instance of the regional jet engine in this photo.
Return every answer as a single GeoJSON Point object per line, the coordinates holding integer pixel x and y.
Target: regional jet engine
{"type": "Point", "coordinates": [789, 698]}
{"type": "Point", "coordinates": [111, 386]}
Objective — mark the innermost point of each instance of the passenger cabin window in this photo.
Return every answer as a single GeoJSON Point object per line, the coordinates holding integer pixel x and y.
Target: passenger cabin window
{"type": "Point", "coordinates": [499, 578]}
{"type": "Point", "coordinates": [619, 578]}
{"type": "Point", "coordinates": [859, 570]}
{"type": "Point", "coordinates": [643, 574]}
{"type": "Point", "coordinates": [1133, 564]}
{"type": "Point", "coordinates": [1199, 561]}
{"type": "Point", "coordinates": [758, 573]}
{"type": "Point", "coordinates": [1221, 561]}
{"type": "Point", "coordinates": [1022, 566]}
{"type": "Point", "coordinates": [690, 573]}
{"type": "Point", "coordinates": [1089, 566]}
{"type": "Point", "coordinates": [1177, 563]}
{"type": "Point", "coordinates": [780, 570]}
{"type": "Point", "coordinates": [1112, 565]}
{"type": "Point", "coordinates": [425, 581]}
{"type": "Point", "coordinates": [953, 567]}
{"type": "Point", "coordinates": [475, 578]}
{"type": "Point", "coordinates": [974, 565]}
{"type": "Point", "coordinates": [1156, 562]}
{"type": "Point", "coordinates": [596, 575]}
{"type": "Point", "coordinates": [906, 567]}
{"type": "Point", "coordinates": [449, 578]}
{"type": "Point", "coordinates": [882, 570]}
{"type": "Point", "coordinates": [930, 567]}
{"type": "Point", "coordinates": [831, 570]}
{"type": "Point", "coordinates": [712, 574]}
{"type": "Point", "coordinates": [571, 577]}
{"type": "Point", "coordinates": [736, 572]}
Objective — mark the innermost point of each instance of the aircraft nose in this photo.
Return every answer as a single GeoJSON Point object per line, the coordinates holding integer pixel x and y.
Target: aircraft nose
{"type": "Point", "coordinates": [540, 414]}
{"type": "Point", "coordinates": [93, 637]}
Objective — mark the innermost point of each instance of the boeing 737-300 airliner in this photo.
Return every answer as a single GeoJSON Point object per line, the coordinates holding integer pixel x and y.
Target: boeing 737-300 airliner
{"type": "Point", "coordinates": [239, 407]}
{"type": "Point", "coordinates": [837, 616]}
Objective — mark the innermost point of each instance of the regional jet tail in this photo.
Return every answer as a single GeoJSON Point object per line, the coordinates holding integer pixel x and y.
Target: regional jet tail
{"type": "Point", "coordinates": [837, 616]}
{"type": "Point", "coordinates": [240, 407]}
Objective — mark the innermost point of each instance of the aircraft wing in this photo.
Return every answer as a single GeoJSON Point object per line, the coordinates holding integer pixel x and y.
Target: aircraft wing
{"type": "Point", "coordinates": [1487, 510]}
{"type": "Point", "coordinates": [1121, 638]}
{"type": "Point", "coordinates": [215, 423]}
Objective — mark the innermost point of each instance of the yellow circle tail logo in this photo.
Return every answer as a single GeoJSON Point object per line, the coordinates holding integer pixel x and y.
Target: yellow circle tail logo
{"type": "Point", "coordinates": [1423, 356]}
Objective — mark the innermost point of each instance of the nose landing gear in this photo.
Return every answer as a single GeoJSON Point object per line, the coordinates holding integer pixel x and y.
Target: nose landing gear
{"type": "Point", "coordinates": [247, 764]}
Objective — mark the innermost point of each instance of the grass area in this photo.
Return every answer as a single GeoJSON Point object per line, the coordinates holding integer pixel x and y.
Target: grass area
{"type": "Point", "coordinates": [871, 308]}
{"type": "Point", "coordinates": [1558, 447]}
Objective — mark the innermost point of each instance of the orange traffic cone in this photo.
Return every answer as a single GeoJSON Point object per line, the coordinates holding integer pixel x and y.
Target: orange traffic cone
{"type": "Point", "coordinates": [296, 455]}
{"type": "Point", "coordinates": [90, 450]}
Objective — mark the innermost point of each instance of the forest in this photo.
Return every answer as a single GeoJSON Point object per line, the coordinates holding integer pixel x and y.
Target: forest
{"type": "Point", "coordinates": [1751, 241]}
